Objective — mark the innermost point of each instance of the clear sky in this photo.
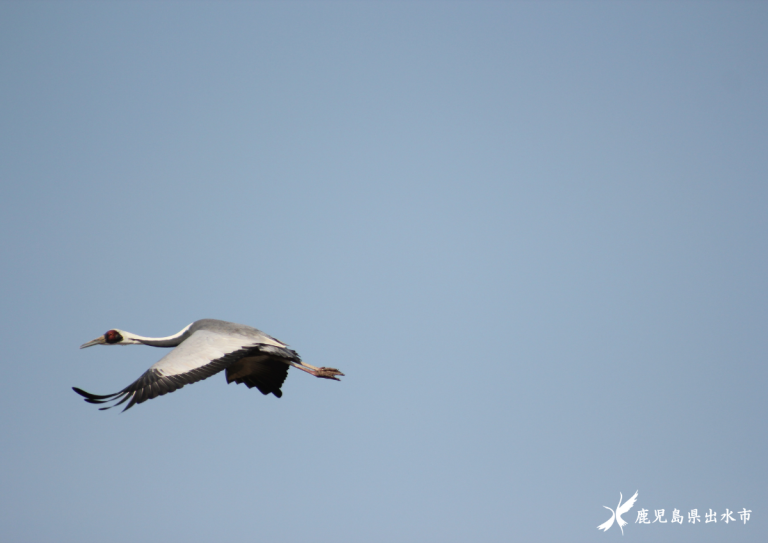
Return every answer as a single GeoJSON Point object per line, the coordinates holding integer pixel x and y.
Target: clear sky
{"type": "Point", "coordinates": [534, 235]}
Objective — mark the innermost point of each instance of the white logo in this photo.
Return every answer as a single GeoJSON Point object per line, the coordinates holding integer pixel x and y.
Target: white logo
{"type": "Point", "coordinates": [620, 510]}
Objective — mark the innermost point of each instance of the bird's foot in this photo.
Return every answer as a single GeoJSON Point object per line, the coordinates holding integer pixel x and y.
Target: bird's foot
{"type": "Point", "coordinates": [327, 373]}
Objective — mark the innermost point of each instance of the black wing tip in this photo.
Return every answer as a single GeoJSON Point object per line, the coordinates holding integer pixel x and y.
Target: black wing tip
{"type": "Point", "coordinates": [89, 396]}
{"type": "Point", "coordinates": [81, 392]}
{"type": "Point", "coordinates": [97, 399]}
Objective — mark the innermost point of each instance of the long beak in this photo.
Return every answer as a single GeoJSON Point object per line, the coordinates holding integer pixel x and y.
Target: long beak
{"type": "Point", "coordinates": [98, 341]}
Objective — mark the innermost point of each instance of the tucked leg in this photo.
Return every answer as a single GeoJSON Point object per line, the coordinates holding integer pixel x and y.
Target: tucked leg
{"type": "Point", "coordinates": [324, 373]}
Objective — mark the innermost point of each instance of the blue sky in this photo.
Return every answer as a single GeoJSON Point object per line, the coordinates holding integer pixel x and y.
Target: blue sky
{"type": "Point", "coordinates": [533, 235]}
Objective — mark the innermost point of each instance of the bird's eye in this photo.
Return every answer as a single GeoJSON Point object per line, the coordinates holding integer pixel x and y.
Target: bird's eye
{"type": "Point", "coordinates": [113, 336]}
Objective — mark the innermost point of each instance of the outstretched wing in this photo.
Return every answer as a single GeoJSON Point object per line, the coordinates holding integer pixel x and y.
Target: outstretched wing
{"type": "Point", "coordinates": [607, 524]}
{"type": "Point", "coordinates": [627, 505]}
{"type": "Point", "coordinates": [623, 508]}
{"type": "Point", "coordinates": [203, 354]}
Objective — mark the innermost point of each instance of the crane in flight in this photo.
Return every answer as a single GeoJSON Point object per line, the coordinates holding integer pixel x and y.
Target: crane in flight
{"type": "Point", "coordinates": [620, 510]}
{"type": "Point", "coordinates": [204, 348]}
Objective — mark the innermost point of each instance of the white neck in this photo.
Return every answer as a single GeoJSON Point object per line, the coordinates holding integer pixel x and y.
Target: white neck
{"type": "Point", "coordinates": [169, 341]}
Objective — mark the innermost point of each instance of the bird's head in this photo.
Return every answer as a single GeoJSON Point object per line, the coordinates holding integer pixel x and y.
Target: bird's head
{"type": "Point", "coordinates": [113, 337]}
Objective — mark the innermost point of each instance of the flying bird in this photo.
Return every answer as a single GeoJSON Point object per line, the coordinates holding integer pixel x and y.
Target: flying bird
{"type": "Point", "coordinates": [620, 510]}
{"type": "Point", "coordinates": [202, 349]}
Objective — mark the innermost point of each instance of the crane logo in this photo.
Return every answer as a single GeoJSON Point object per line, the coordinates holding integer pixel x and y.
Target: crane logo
{"type": "Point", "coordinates": [620, 510]}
